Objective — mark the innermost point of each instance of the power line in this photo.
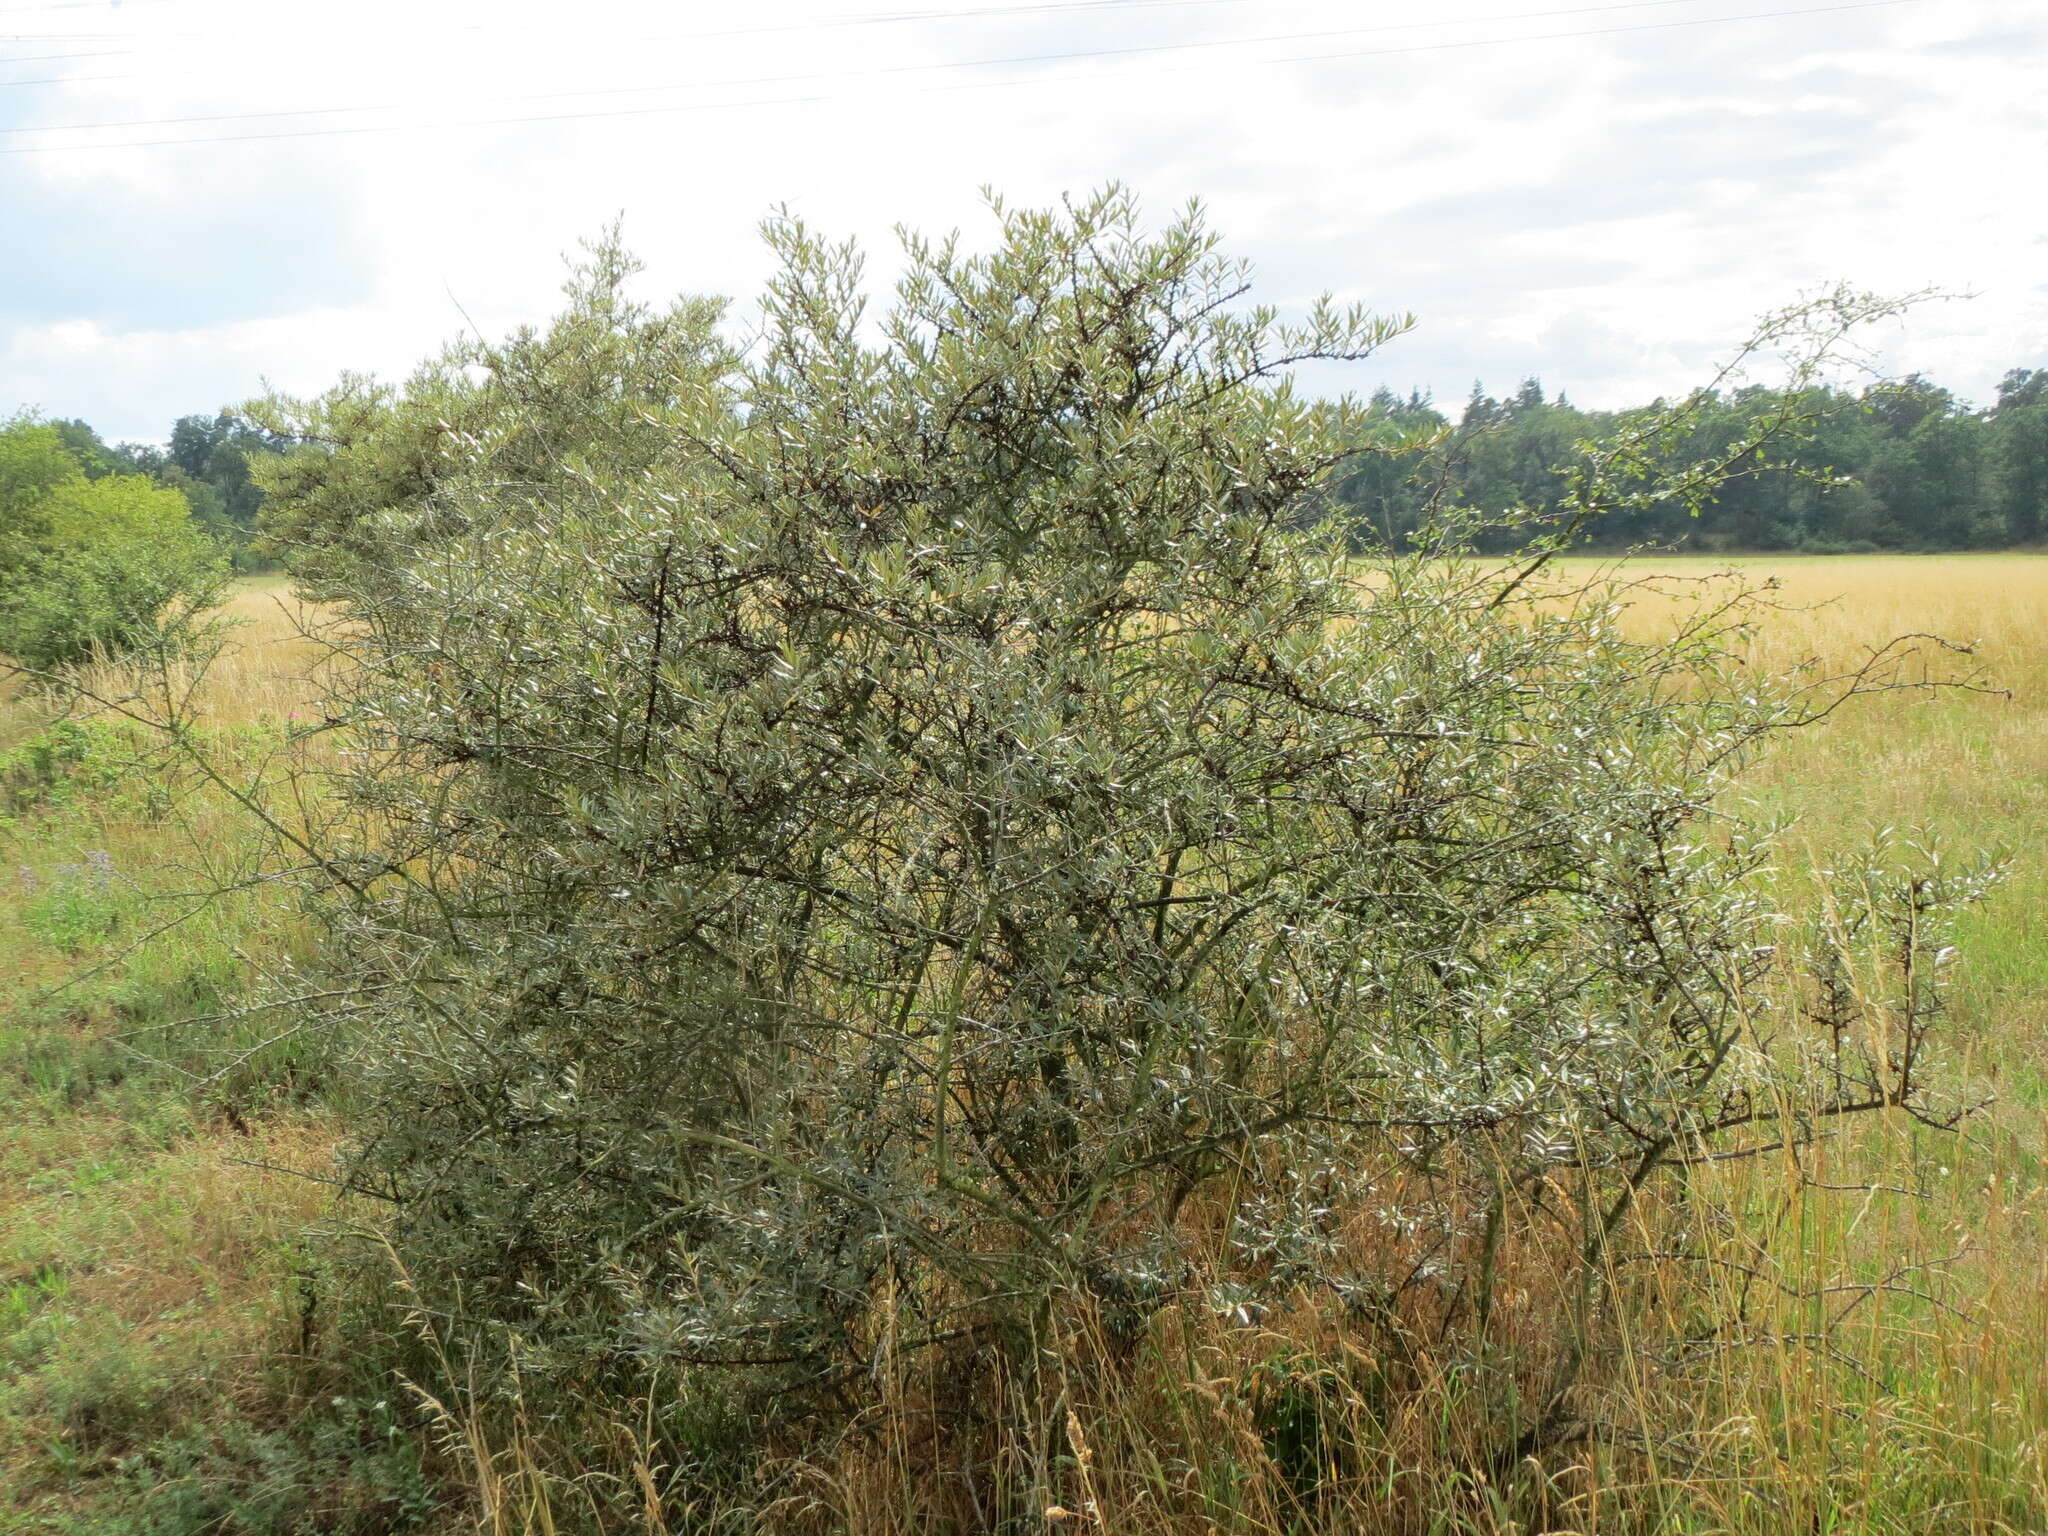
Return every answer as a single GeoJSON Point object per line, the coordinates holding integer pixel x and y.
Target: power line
{"type": "Point", "coordinates": [77, 79]}
{"type": "Point", "coordinates": [625, 112]}
{"type": "Point", "coordinates": [813, 24]}
{"type": "Point", "coordinates": [74, 5]}
{"type": "Point", "coordinates": [45, 58]}
{"type": "Point", "coordinates": [808, 24]}
{"type": "Point", "coordinates": [637, 90]}
{"type": "Point", "coordinates": [872, 18]}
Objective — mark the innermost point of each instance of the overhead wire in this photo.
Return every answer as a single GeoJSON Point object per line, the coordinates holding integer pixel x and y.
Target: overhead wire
{"type": "Point", "coordinates": [790, 79]}
{"type": "Point", "coordinates": [678, 108]}
{"type": "Point", "coordinates": [870, 18]}
{"type": "Point", "coordinates": [808, 24]}
{"type": "Point", "coordinates": [47, 58]}
{"type": "Point", "coordinates": [74, 5]}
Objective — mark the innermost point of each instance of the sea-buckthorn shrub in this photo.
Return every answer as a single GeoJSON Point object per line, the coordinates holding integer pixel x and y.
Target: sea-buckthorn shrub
{"type": "Point", "coordinates": [873, 839]}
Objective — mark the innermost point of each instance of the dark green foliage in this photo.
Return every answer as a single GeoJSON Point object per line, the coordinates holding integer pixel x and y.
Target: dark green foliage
{"type": "Point", "coordinates": [34, 464]}
{"type": "Point", "coordinates": [209, 460]}
{"type": "Point", "coordinates": [94, 457]}
{"type": "Point", "coordinates": [92, 564]}
{"type": "Point", "coordinates": [65, 759]}
{"type": "Point", "coordinates": [349, 1467]}
{"type": "Point", "coordinates": [1901, 465]}
{"type": "Point", "coordinates": [2018, 455]}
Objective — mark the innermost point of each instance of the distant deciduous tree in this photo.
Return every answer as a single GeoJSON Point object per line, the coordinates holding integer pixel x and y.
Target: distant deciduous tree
{"type": "Point", "coordinates": [90, 563]}
{"type": "Point", "coordinates": [2019, 454]}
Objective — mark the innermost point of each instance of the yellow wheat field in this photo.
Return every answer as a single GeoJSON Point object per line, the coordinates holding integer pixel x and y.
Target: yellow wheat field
{"type": "Point", "coordinates": [1946, 757]}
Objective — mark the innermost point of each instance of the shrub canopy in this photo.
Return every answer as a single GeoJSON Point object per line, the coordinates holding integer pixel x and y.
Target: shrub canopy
{"type": "Point", "coordinates": [921, 810]}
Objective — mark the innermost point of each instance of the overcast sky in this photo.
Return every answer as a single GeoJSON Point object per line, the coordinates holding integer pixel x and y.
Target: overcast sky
{"type": "Point", "coordinates": [1602, 194]}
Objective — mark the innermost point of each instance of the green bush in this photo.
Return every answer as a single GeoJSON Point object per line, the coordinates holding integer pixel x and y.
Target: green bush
{"type": "Point", "coordinates": [347, 1468]}
{"type": "Point", "coordinates": [91, 566]}
{"type": "Point", "coordinates": [857, 847]}
{"type": "Point", "coordinates": [65, 759]}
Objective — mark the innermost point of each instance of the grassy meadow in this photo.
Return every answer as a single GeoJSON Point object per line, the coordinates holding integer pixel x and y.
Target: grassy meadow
{"type": "Point", "coordinates": [155, 1368]}
{"type": "Point", "coordinates": [171, 1361]}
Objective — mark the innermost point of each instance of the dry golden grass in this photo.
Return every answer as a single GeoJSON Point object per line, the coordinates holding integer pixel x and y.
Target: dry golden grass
{"type": "Point", "coordinates": [1966, 768]}
{"type": "Point", "coordinates": [1835, 605]}
{"type": "Point", "coordinates": [268, 666]}
{"type": "Point", "coordinates": [265, 666]}
{"type": "Point", "coordinates": [1907, 754]}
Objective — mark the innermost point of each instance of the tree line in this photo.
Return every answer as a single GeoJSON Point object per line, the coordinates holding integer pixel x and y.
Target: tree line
{"type": "Point", "coordinates": [101, 543]}
{"type": "Point", "coordinates": [205, 459]}
{"type": "Point", "coordinates": [1902, 465]}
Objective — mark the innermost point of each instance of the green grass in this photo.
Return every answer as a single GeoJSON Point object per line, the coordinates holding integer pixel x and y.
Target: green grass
{"type": "Point", "coordinates": [165, 1366]}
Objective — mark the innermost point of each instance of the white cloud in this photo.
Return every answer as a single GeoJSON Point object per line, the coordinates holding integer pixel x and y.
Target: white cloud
{"type": "Point", "coordinates": [1607, 210]}
{"type": "Point", "coordinates": [139, 375]}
